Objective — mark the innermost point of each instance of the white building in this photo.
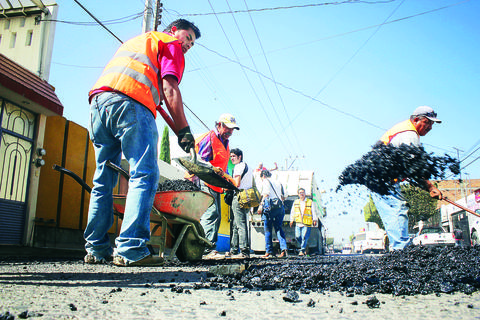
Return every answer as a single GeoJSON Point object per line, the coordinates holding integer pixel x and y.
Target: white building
{"type": "Point", "coordinates": [27, 30]}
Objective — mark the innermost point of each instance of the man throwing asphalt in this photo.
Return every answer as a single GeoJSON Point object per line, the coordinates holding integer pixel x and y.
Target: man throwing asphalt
{"type": "Point", "coordinates": [123, 108]}
{"type": "Point", "coordinates": [392, 207]}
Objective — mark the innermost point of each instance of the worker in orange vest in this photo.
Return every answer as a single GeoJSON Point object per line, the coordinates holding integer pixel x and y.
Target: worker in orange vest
{"type": "Point", "coordinates": [392, 207]}
{"type": "Point", "coordinates": [123, 106]}
{"type": "Point", "coordinates": [213, 147]}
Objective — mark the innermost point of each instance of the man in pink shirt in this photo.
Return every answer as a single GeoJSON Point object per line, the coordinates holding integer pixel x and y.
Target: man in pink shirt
{"type": "Point", "coordinates": [123, 106]}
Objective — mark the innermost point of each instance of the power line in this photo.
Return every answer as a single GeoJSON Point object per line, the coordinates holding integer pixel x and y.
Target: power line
{"type": "Point", "coordinates": [296, 91]}
{"type": "Point", "coordinates": [284, 8]}
{"type": "Point", "coordinates": [98, 21]}
{"type": "Point", "coordinates": [471, 162]}
{"type": "Point", "coordinates": [372, 26]}
{"type": "Point", "coordinates": [259, 78]}
{"type": "Point", "coordinates": [105, 22]}
{"type": "Point", "coordinates": [471, 153]}
{"type": "Point", "coordinates": [243, 69]}
{"type": "Point", "coordinates": [271, 74]}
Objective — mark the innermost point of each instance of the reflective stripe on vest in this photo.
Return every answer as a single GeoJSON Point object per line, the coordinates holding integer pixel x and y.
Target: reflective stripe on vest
{"type": "Point", "coordinates": [307, 213]}
{"type": "Point", "coordinates": [220, 154]}
{"type": "Point", "coordinates": [406, 125]}
{"type": "Point", "coordinates": [134, 69]}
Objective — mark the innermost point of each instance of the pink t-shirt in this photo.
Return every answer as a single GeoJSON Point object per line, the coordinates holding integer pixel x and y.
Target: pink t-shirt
{"type": "Point", "coordinates": [171, 59]}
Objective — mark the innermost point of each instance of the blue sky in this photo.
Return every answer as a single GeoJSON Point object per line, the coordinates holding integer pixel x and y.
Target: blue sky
{"type": "Point", "coordinates": [312, 86]}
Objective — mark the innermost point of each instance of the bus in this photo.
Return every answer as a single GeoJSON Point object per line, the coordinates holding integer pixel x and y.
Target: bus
{"type": "Point", "coordinates": [375, 241]}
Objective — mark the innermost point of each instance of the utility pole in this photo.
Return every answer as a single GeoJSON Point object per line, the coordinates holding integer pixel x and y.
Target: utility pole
{"type": "Point", "coordinates": [147, 16]}
{"type": "Point", "coordinates": [460, 172]}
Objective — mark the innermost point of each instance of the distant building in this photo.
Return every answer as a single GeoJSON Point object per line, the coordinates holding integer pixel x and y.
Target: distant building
{"type": "Point", "coordinates": [27, 30]}
{"type": "Point", "coordinates": [456, 189]}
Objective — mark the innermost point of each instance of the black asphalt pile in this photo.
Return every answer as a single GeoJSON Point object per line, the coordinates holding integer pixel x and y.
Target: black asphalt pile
{"type": "Point", "coordinates": [384, 164]}
{"type": "Point", "coordinates": [177, 185]}
{"type": "Point", "coordinates": [412, 271]}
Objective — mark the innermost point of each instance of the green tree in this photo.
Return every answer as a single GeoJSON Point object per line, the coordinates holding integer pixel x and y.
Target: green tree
{"type": "Point", "coordinates": [421, 205]}
{"type": "Point", "coordinates": [371, 213]}
{"type": "Point", "coordinates": [165, 146]}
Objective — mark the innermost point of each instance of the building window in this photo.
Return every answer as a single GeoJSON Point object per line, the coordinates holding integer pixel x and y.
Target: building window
{"type": "Point", "coordinates": [22, 22]}
{"type": "Point", "coordinates": [13, 39]}
{"type": "Point", "coordinates": [28, 42]}
{"type": "Point", "coordinates": [6, 26]}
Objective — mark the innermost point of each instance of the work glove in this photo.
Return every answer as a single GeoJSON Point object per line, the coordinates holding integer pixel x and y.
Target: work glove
{"type": "Point", "coordinates": [185, 139]}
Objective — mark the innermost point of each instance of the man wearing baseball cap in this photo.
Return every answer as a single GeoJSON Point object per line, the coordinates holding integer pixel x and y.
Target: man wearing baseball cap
{"type": "Point", "coordinates": [392, 208]}
{"type": "Point", "coordinates": [213, 147]}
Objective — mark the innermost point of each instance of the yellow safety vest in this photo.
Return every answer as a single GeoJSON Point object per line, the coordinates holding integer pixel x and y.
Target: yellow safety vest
{"type": "Point", "coordinates": [134, 69]}
{"type": "Point", "coordinates": [307, 213]}
{"type": "Point", "coordinates": [406, 125]}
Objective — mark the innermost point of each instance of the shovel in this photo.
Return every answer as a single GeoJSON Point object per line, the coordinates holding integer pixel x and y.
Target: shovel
{"type": "Point", "coordinates": [205, 171]}
{"type": "Point", "coordinates": [461, 207]}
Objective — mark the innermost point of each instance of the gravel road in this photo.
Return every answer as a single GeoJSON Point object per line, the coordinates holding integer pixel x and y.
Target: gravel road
{"type": "Point", "coordinates": [66, 288]}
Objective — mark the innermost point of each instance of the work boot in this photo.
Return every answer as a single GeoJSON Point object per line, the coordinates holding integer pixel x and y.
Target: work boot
{"type": "Point", "coordinates": [284, 254]}
{"type": "Point", "coordinates": [148, 261]}
{"type": "Point", "coordinates": [92, 259]}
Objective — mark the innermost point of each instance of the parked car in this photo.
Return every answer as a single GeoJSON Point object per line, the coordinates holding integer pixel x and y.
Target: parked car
{"type": "Point", "coordinates": [434, 236]}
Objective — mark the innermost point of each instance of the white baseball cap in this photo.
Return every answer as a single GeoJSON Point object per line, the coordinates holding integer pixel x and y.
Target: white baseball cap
{"type": "Point", "coordinates": [426, 112]}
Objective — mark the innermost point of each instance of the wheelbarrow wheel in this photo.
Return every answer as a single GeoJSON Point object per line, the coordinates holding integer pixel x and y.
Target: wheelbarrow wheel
{"type": "Point", "coordinates": [191, 248]}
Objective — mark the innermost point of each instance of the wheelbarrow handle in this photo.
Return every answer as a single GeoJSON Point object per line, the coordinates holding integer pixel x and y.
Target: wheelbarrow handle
{"type": "Point", "coordinates": [74, 176]}
{"type": "Point", "coordinates": [119, 169]}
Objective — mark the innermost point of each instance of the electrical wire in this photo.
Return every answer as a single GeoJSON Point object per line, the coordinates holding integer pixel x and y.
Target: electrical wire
{"type": "Point", "coordinates": [243, 70]}
{"type": "Point", "coordinates": [273, 77]}
{"type": "Point", "coordinates": [261, 80]}
{"type": "Point", "coordinates": [105, 22]}
{"type": "Point", "coordinates": [296, 91]}
{"type": "Point", "coordinates": [98, 21]}
{"type": "Point", "coordinates": [284, 8]}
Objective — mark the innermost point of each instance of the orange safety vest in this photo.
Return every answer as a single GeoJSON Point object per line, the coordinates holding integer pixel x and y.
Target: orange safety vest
{"type": "Point", "coordinates": [406, 125]}
{"type": "Point", "coordinates": [134, 69]}
{"type": "Point", "coordinates": [307, 213]}
{"type": "Point", "coordinates": [220, 154]}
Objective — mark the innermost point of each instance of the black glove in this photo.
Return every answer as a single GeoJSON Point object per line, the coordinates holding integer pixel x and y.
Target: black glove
{"type": "Point", "coordinates": [185, 139]}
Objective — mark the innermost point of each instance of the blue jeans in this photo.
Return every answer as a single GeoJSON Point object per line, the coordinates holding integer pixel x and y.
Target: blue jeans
{"type": "Point", "coordinates": [212, 217]}
{"type": "Point", "coordinates": [302, 234]}
{"type": "Point", "coordinates": [119, 124]}
{"type": "Point", "coordinates": [274, 219]}
{"type": "Point", "coordinates": [393, 210]}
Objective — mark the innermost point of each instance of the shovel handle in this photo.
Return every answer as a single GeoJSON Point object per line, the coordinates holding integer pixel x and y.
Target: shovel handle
{"type": "Point", "coordinates": [461, 207]}
{"type": "Point", "coordinates": [193, 154]}
{"type": "Point", "coordinates": [119, 169]}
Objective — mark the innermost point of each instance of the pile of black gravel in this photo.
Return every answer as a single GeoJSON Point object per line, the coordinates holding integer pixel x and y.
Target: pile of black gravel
{"type": "Point", "coordinates": [412, 271]}
{"type": "Point", "coordinates": [379, 168]}
{"type": "Point", "coordinates": [177, 185]}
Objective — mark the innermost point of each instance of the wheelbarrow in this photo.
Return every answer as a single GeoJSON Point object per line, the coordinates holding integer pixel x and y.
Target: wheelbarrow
{"type": "Point", "coordinates": [181, 209]}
